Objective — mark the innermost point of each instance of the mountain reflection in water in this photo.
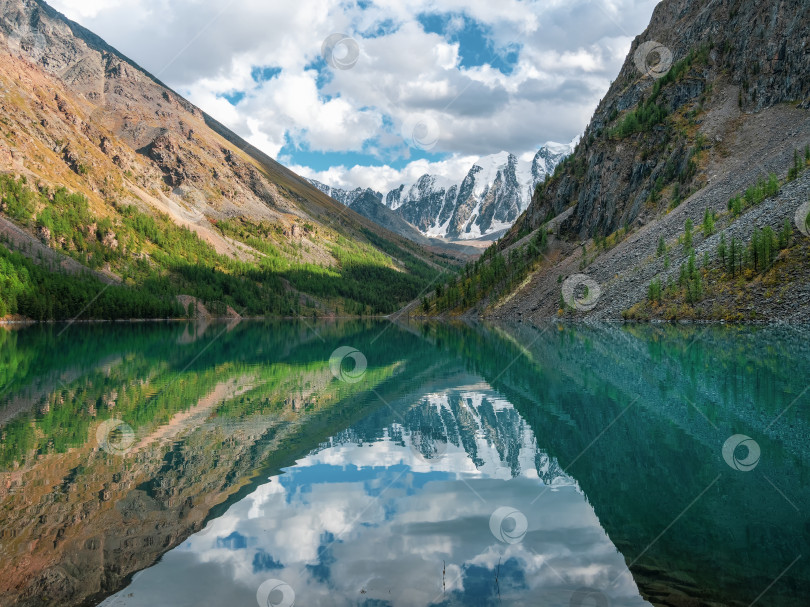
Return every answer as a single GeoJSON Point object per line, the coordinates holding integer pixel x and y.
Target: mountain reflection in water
{"type": "Point", "coordinates": [460, 465]}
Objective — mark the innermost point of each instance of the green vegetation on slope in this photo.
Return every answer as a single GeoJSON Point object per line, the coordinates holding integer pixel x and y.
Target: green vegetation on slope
{"type": "Point", "coordinates": [738, 269]}
{"type": "Point", "coordinates": [35, 292]}
{"type": "Point", "coordinates": [650, 113]}
{"type": "Point", "coordinates": [732, 276]}
{"type": "Point", "coordinates": [755, 194]}
{"type": "Point", "coordinates": [491, 276]}
{"type": "Point", "coordinates": [158, 260]}
{"type": "Point", "coordinates": [672, 134]}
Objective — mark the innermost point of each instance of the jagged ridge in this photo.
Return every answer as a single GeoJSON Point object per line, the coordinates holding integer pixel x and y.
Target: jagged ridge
{"type": "Point", "coordinates": [489, 199]}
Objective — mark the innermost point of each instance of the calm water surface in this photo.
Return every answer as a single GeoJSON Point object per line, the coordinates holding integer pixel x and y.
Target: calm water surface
{"type": "Point", "coordinates": [369, 463]}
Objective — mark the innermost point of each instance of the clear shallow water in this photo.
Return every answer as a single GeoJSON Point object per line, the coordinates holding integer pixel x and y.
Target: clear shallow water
{"type": "Point", "coordinates": [457, 465]}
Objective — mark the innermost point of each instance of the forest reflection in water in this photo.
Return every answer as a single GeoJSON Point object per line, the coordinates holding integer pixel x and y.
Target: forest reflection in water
{"type": "Point", "coordinates": [427, 464]}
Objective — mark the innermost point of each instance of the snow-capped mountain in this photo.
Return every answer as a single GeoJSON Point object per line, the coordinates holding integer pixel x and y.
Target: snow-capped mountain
{"type": "Point", "coordinates": [369, 203]}
{"type": "Point", "coordinates": [462, 429]}
{"type": "Point", "coordinates": [347, 197]}
{"type": "Point", "coordinates": [489, 199]}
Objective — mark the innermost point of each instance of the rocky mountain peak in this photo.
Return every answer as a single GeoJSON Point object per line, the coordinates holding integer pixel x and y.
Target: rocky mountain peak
{"type": "Point", "coordinates": [494, 191]}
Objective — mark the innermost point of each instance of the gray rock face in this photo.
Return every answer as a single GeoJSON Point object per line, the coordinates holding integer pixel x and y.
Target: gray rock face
{"type": "Point", "coordinates": [493, 193]}
{"type": "Point", "coordinates": [425, 204]}
{"type": "Point", "coordinates": [761, 47]}
{"type": "Point", "coordinates": [369, 203]}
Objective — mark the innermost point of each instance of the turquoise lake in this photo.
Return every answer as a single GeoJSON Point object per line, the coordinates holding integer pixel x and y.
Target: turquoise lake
{"type": "Point", "coordinates": [391, 464]}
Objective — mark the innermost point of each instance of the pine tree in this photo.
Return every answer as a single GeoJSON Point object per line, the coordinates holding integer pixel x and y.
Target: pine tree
{"type": "Point", "coordinates": [540, 241]}
{"type": "Point", "coordinates": [691, 268]}
{"type": "Point", "coordinates": [794, 171]}
{"type": "Point", "coordinates": [773, 185]}
{"type": "Point", "coordinates": [768, 249]}
{"type": "Point", "coordinates": [755, 250]}
{"type": "Point", "coordinates": [654, 291]}
{"type": "Point", "coordinates": [785, 234]}
{"type": "Point", "coordinates": [687, 236]}
{"type": "Point", "coordinates": [708, 223]}
{"type": "Point", "coordinates": [732, 256]}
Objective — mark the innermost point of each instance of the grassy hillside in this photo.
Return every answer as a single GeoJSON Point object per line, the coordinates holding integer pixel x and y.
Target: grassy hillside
{"type": "Point", "coordinates": [157, 260]}
{"type": "Point", "coordinates": [117, 195]}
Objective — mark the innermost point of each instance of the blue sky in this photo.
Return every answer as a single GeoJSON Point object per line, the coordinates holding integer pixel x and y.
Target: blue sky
{"type": "Point", "coordinates": [374, 93]}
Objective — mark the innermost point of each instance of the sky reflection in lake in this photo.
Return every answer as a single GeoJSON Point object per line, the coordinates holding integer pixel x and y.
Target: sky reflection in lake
{"type": "Point", "coordinates": [380, 523]}
{"type": "Point", "coordinates": [461, 465]}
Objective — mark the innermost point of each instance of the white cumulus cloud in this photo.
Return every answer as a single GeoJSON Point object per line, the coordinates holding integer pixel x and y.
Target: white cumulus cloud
{"type": "Point", "coordinates": [562, 57]}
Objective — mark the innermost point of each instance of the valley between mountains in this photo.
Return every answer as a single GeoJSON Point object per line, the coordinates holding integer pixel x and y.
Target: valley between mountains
{"type": "Point", "coordinates": [456, 376]}
{"type": "Point", "coordinates": [686, 198]}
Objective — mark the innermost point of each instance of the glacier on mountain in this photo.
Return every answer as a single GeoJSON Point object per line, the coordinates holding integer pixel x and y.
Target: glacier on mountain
{"type": "Point", "coordinates": [487, 201]}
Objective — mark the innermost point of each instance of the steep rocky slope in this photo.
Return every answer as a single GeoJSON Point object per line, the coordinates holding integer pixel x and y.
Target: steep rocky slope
{"type": "Point", "coordinates": [755, 49]}
{"type": "Point", "coordinates": [77, 114]}
{"type": "Point", "coordinates": [712, 98]}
